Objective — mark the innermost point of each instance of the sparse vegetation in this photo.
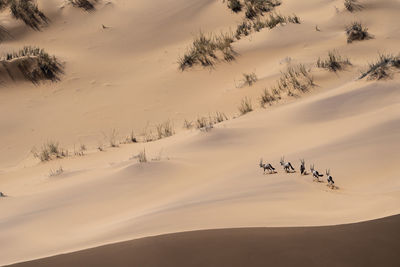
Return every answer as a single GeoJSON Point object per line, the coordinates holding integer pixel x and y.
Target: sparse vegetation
{"type": "Point", "coordinates": [268, 98]}
{"type": "Point", "coordinates": [207, 49]}
{"type": "Point", "coordinates": [249, 78]}
{"type": "Point", "coordinates": [165, 129]}
{"type": "Point", "coordinates": [356, 32]}
{"type": "Point", "coordinates": [188, 124]}
{"type": "Point", "coordinates": [256, 8]}
{"type": "Point", "coordinates": [27, 11]}
{"type": "Point", "coordinates": [56, 172]}
{"type": "Point", "coordinates": [235, 5]}
{"type": "Point", "coordinates": [352, 5]}
{"type": "Point", "coordinates": [84, 4]}
{"type": "Point", "coordinates": [49, 151]}
{"type": "Point", "coordinates": [382, 68]}
{"type": "Point", "coordinates": [142, 158]}
{"type": "Point", "coordinates": [295, 78]}
{"type": "Point", "coordinates": [334, 62]}
{"type": "Point", "coordinates": [35, 64]}
{"type": "Point", "coordinates": [245, 106]}
{"type": "Point", "coordinates": [112, 138]}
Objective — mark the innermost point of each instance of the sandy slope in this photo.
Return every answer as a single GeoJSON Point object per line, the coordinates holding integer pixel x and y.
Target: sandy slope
{"type": "Point", "coordinates": [126, 77]}
{"type": "Point", "coordinates": [372, 243]}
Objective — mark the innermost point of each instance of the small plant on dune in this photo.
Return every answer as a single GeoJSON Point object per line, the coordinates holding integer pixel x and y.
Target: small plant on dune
{"type": "Point", "coordinates": [334, 62]}
{"type": "Point", "coordinates": [142, 158]}
{"type": "Point", "coordinates": [235, 5]}
{"type": "Point", "coordinates": [245, 106]}
{"type": "Point", "coordinates": [249, 78]}
{"type": "Point", "coordinates": [85, 4]}
{"type": "Point", "coordinates": [356, 32]}
{"type": "Point", "coordinates": [294, 19]}
{"type": "Point", "coordinates": [56, 172]}
{"type": "Point", "coordinates": [243, 29]}
{"type": "Point", "coordinates": [352, 5]}
{"type": "Point", "coordinates": [219, 117]}
{"type": "Point", "coordinates": [165, 129]}
{"type": "Point", "coordinates": [36, 64]}
{"type": "Point", "coordinates": [27, 11]}
{"type": "Point", "coordinates": [112, 138]}
{"type": "Point", "coordinates": [296, 78]}
{"type": "Point", "coordinates": [274, 20]}
{"type": "Point", "coordinates": [49, 151]}
{"type": "Point", "coordinates": [204, 51]}
{"type": "Point", "coordinates": [381, 69]}
{"type": "Point", "coordinates": [267, 98]}
{"type": "Point", "coordinates": [187, 124]}
{"type": "Point", "coordinates": [255, 8]}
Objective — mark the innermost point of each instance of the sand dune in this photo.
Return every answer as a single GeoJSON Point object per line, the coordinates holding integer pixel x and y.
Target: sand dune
{"type": "Point", "coordinates": [126, 77]}
{"type": "Point", "coordinates": [370, 243]}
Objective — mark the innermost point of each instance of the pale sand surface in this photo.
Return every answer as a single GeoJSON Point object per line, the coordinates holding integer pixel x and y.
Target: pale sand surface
{"type": "Point", "coordinates": [126, 78]}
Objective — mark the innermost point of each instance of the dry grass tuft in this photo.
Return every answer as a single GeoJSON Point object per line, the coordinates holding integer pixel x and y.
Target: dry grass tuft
{"type": "Point", "coordinates": [84, 4]}
{"type": "Point", "coordinates": [334, 62]}
{"type": "Point", "coordinates": [206, 50]}
{"type": "Point", "coordinates": [382, 68]}
{"type": "Point", "coordinates": [165, 129]}
{"type": "Point", "coordinates": [35, 64]}
{"type": "Point", "coordinates": [249, 78]}
{"type": "Point", "coordinates": [56, 172]}
{"type": "Point", "coordinates": [353, 5]}
{"type": "Point", "coordinates": [49, 151]}
{"type": "Point", "coordinates": [142, 158]}
{"type": "Point", "coordinates": [356, 32]}
{"type": "Point", "coordinates": [245, 106]}
{"type": "Point", "coordinates": [27, 11]}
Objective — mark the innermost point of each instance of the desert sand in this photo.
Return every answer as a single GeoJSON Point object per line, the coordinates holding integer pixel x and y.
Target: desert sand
{"type": "Point", "coordinates": [125, 77]}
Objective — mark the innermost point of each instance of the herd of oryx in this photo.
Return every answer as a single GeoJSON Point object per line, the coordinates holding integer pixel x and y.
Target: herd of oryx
{"type": "Point", "coordinates": [288, 168]}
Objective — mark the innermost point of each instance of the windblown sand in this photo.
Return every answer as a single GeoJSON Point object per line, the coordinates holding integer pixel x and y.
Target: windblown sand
{"type": "Point", "coordinates": [126, 78]}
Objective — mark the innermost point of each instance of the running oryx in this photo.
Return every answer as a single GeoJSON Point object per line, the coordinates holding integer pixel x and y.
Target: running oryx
{"type": "Point", "coordinates": [315, 173]}
{"type": "Point", "coordinates": [286, 165]}
{"type": "Point", "coordinates": [330, 179]}
{"type": "Point", "coordinates": [303, 167]}
{"type": "Point", "coordinates": [267, 166]}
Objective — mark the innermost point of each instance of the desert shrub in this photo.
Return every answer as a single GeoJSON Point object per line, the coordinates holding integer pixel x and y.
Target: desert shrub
{"type": "Point", "coordinates": [49, 151]}
{"type": "Point", "coordinates": [27, 11]}
{"type": "Point", "coordinates": [165, 129]}
{"type": "Point", "coordinates": [84, 4]}
{"type": "Point", "coordinates": [187, 124]}
{"type": "Point", "coordinates": [235, 5]}
{"type": "Point", "coordinates": [249, 78]}
{"type": "Point", "coordinates": [381, 69]}
{"type": "Point", "coordinates": [295, 78]}
{"type": "Point", "coordinates": [245, 106]}
{"type": "Point", "coordinates": [204, 49]}
{"type": "Point", "coordinates": [356, 32]}
{"type": "Point", "coordinates": [352, 5]}
{"type": "Point", "coordinates": [334, 62]}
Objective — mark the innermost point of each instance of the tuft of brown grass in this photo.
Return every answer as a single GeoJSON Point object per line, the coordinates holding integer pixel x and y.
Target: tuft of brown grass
{"type": "Point", "coordinates": [27, 11]}
{"type": "Point", "coordinates": [206, 50]}
{"type": "Point", "coordinates": [49, 151]}
{"type": "Point", "coordinates": [334, 62]}
{"type": "Point", "coordinates": [245, 106]}
{"type": "Point", "coordinates": [165, 129]}
{"type": "Point", "coordinates": [84, 4]}
{"type": "Point", "coordinates": [249, 78]}
{"type": "Point", "coordinates": [142, 157]}
{"type": "Point", "coordinates": [353, 5]}
{"type": "Point", "coordinates": [382, 68]}
{"type": "Point", "coordinates": [356, 32]}
{"type": "Point", "coordinates": [36, 64]}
